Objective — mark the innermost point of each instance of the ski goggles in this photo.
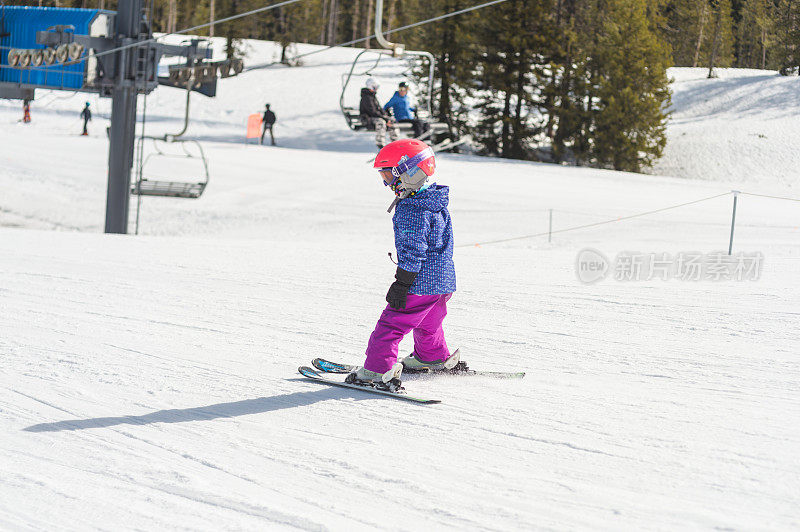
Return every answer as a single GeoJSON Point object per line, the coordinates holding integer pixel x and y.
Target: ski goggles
{"type": "Point", "coordinates": [389, 176]}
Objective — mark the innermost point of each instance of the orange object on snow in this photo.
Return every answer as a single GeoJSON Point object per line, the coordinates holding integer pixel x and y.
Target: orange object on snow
{"type": "Point", "coordinates": [254, 126]}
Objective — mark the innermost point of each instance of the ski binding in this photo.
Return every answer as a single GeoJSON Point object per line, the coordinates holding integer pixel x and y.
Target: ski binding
{"type": "Point", "coordinates": [398, 393]}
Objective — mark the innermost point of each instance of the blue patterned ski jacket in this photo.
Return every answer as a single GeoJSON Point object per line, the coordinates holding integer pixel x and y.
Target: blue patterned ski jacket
{"type": "Point", "coordinates": [423, 236]}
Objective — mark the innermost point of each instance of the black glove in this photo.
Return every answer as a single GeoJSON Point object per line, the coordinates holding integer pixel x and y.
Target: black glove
{"type": "Point", "coordinates": [396, 296]}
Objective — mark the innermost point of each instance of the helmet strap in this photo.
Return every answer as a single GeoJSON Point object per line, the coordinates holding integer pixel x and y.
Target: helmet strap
{"type": "Point", "coordinates": [395, 202]}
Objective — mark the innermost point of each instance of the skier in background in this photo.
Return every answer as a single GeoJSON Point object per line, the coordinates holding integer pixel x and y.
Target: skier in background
{"type": "Point", "coordinates": [374, 116]}
{"type": "Point", "coordinates": [26, 111]}
{"type": "Point", "coordinates": [86, 114]}
{"type": "Point", "coordinates": [425, 278]}
{"type": "Point", "coordinates": [403, 111]}
{"type": "Point", "coordinates": [267, 121]}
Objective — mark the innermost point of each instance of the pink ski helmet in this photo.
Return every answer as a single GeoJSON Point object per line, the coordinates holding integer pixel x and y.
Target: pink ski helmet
{"type": "Point", "coordinates": [405, 166]}
{"type": "Point", "coordinates": [414, 150]}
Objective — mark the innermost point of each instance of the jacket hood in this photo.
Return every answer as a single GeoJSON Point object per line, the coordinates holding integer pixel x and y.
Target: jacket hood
{"type": "Point", "coordinates": [434, 198]}
{"type": "Point", "coordinates": [366, 92]}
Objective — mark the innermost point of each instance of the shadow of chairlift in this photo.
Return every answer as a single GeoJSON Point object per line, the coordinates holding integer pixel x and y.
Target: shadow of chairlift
{"type": "Point", "coordinates": [150, 184]}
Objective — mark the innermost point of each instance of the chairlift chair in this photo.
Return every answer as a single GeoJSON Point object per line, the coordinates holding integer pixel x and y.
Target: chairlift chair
{"type": "Point", "coordinates": [146, 186]}
{"type": "Point", "coordinates": [352, 115]}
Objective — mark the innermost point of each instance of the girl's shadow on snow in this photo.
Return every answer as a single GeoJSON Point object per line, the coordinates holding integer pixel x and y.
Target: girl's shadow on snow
{"type": "Point", "coordinates": [202, 413]}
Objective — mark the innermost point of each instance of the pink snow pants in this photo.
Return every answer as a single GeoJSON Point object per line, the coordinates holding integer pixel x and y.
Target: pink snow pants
{"type": "Point", "coordinates": [423, 315]}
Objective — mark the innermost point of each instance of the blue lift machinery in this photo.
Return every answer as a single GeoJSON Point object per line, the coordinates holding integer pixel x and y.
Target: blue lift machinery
{"type": "Point", "coordinates": [111, 53]}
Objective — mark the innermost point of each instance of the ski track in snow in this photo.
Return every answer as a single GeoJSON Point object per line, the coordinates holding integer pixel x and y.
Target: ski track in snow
{"type": "Point", "coordinates": [151, 382]}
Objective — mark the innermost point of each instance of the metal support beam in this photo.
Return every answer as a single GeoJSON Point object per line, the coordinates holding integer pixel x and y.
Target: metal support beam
{"type": "Point", "coordinates": [123, 119]}
{"type": "Point", "coordinates": [733, 220]}
{"type": "Point", "coordinates": [120, 159]}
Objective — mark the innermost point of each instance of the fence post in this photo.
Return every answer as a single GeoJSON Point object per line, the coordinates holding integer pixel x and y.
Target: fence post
{"type": "Point", "coordinates": [733, 219]}
{"type": "Point", "coordinates": [550, 228]}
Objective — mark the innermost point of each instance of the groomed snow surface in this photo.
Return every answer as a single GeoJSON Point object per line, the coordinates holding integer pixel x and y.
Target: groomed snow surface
{"type": "Point", "coordinates": [150, 382]}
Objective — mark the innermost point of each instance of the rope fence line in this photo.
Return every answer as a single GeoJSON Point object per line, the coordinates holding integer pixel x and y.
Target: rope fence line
{"type": "Point", "coordinates": [549, 233]}
{"type": "Point", "coordinates": [604, 222]}
{"type": "Point", "coordinates": [768, 196]}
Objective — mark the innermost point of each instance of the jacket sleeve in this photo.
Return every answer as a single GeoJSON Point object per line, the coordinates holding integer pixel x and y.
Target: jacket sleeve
{"type": "Point", "coordinates": [411, 239]}
{"type": "Point", "coordinates": [391, 103]}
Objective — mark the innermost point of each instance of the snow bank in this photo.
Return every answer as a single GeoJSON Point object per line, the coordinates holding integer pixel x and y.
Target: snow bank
{"type": "Point", "coordinates": [742, 126]}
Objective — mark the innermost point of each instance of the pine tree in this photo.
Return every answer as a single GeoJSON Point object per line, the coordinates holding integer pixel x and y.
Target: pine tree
{"type": "Point", "coordinates": [630, 88]}
{"type": "Point", "coordinates": [566, 94]}
{"type": "Point", "coordinates": [292, 24]}
{"type": "Point", "coordinates": [512, 64]}
{"type": "Point", "coordinates": [787, 35]}
{"type": "Point", "coordinates": [754, 34]}
{"type": "Point", "coordinates": [720, 52]}
{"type": "Point", "coordinates": [687, 29]}
{"type": "Point", "coordinates": [452, 42]}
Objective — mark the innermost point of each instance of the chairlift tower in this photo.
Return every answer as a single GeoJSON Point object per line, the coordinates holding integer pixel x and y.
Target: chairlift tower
{"type": "Point", "coordinates": [123, 115]}
{"type": "Point", "coordinates": [124, 64]}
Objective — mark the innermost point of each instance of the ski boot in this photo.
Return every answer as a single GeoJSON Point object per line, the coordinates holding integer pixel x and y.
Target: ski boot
{"type": "Point", "coordinates": [411, 364]}
{"type": "Point", "coordinates": [388, 382]}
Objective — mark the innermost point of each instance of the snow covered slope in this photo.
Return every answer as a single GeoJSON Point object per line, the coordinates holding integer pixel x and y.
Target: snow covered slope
{"type": "Point", "coordinates": [742, 126]}
{"type": "Point", "coordinates": [150, 382]}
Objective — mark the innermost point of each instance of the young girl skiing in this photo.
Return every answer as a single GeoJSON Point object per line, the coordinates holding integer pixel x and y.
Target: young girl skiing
{"type": "Point", "coordinates": [425, 278]}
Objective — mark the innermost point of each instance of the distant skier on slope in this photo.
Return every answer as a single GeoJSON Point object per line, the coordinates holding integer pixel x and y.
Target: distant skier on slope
{"type": "Point", "coordinates": [425, 278]}
{"type": "Point", "coordinates": [26, 111]}
{"type": "Point", "coordinates": [373, 115]}
{"type": "Point", "coordinates": [268, 121]}
{"type": "Point", "coordinates": [86, 114]}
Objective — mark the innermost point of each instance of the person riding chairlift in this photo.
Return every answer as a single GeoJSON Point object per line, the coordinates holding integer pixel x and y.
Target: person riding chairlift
{"type": "Point", "coordinates": [400, 105]}
{"type": "Point", "coordinates": [374, 116]}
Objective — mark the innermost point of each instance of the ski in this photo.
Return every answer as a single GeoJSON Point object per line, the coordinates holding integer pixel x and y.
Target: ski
{"type": "Point", "coordinates": [315, 376]}
{"type": "Point", "coordinates": [326, 366]}
{"type": "Point", "coordinates": [445, 145]}
{"type": "Point", "coordinates": [450, 144]}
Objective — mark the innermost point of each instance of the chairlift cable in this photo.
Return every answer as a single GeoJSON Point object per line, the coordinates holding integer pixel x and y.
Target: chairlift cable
{"type": "Point", "coordinates": [179, 32]}
{"type": "Point", "coordinates": [395, 30]}
{"type": "Point", "coordinates": [140, 164]}
{"type": "Point", "coordinates": [268, 8]}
